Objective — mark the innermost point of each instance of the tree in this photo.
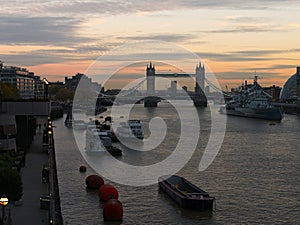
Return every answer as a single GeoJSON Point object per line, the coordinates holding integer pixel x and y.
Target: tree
{"type": "Point", "coordinates": [53, 89]}
{"type": "Point", "coordinates": [6, 161]}
{"type": "Point", "coordinates": [8, 92]}
{"type": "Point", "coordinates": [64, 94]}
{"type": "Point", "coordinates": [11, 184]}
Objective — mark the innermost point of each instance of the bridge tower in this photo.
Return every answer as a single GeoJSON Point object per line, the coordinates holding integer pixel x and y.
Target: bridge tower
{"type": "Point", "coordinates": [200, 77]}
{"type": "Point", "coordinates": [199, 97]}
{"type": "Point", "coordinates": [150, 76]}
{"type": "Point", "coordinates": [151, 99]}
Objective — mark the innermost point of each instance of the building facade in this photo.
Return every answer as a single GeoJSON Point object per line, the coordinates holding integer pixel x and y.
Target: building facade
{"type": "Point", "coordinates": [28, 85]}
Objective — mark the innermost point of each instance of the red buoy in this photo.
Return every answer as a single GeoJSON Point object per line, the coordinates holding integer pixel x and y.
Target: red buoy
{"type": "Point", "coordinates": [82, 168]}
{"type": "Point", "coordinates": [107, 192]}
{"type": "Point", "coordinates": [113, 210]}
{"type": "Point", "coordinates": [94, 181]}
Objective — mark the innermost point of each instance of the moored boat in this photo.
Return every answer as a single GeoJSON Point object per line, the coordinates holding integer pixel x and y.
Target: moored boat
{"type": "Point", "coordinates": [114, 151]}
{"type": "Point", "coordinates": [98, 141]}
{"type": "Point", "coordinates": [186, 194]}
{"type": "Point", "coordinates": [93, 143]}
{"type": "Point", "coordinates": [130, 130]}
{"type": "Point", "coordinates": [251, 101]}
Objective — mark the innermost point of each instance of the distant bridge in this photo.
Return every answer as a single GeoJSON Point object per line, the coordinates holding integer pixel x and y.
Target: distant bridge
{"type": "Point", "coordinates": [150, 99]}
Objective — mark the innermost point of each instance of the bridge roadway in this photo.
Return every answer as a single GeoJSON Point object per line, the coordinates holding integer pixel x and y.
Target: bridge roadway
{"type": "Point", "coordinates": [184, 75]}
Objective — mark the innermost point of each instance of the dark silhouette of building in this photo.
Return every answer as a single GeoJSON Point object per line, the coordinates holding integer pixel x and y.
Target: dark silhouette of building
{"type": "Point", "coordinates": [291, 88]}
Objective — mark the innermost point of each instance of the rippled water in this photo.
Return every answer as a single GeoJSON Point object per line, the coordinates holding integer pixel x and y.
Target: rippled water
{"type": "Point", "coordinates": [255, 176]}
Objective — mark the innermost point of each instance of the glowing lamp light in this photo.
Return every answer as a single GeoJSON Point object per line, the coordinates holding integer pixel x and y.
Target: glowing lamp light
{"type": "Point", "coordinates": [45, 81]}
{"type": "Point", "coordinates": [50, 132]}
{"type": "Point", "coordinates": [3, 200]}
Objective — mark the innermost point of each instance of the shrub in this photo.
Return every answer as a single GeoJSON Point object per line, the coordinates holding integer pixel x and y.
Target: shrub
{"type": "Point", "coordinates": [6, 161]}
{"type": "Point", "coordinates": [11, 184]}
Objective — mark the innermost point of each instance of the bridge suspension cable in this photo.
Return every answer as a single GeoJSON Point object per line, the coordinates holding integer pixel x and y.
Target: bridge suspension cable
{"type": "Point", "coordinates": [133, 89]}
{"type": "Point", "coordinates": [216, 88]}
{"type": "Point", "coordinates": [125, 93]}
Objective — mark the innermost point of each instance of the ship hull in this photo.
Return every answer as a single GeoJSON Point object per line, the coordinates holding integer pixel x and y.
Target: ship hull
{"type": "Point", "coordinates": [267, 114]}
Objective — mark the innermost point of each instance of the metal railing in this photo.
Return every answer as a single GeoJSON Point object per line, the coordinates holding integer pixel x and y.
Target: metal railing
{"type": "Point", "coordinates": [55, 209]}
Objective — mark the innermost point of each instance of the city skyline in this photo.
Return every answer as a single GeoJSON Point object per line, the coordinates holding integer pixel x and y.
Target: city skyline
{"type": "Point", "coordinates": [234, 39]}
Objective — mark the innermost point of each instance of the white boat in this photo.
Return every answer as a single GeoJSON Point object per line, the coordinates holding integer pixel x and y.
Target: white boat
{"type": "Point", "coordinates": [93, 140]}
{"type": "Point", "coordinates": [98, 141]}
{"type": "Point", "coordinates": [132, 129]}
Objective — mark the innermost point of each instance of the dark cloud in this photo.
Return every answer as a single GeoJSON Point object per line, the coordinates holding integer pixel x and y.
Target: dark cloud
{"type": "Point", "coordinates": [59, 31]}
{"type": "Point", "coordinates": [160, 37]}
{"type": "Point", "coordinates": [258, 52]}
{"type": "Point", "coordinates": [244, 56]}
{"type": "Point", "coordinates": [244, 19]}
{"type": "Point", "coordinates": [30, 59]}
{"type": "Point", "coordinates": [57, 55]}
{"type": "Point", "coordinates": [280, 66]}
{"type": "Point", "coordinates": [116, 7]}
{"type": "Point", "coordinates": [229, 57]}
{"type": "Point", "coordinates": [233, 75]}
{"type": "Point", "coordinates": [243, 29]}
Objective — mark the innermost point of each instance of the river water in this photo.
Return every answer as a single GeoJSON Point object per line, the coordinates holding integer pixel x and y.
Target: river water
{"type": "Point", "coordinates": [255, 177]}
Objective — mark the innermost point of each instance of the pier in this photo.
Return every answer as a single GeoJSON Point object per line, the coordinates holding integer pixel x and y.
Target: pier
{"type": "Point", "coordinates": [289, 108]}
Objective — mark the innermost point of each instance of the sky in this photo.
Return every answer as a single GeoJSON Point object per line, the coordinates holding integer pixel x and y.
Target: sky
{"type": "Point", "coordinates": [234, 38]}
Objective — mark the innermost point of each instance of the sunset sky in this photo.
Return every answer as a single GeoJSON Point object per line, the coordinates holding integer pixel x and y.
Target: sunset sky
{"type": "Point", "coordinates": [234, 38]}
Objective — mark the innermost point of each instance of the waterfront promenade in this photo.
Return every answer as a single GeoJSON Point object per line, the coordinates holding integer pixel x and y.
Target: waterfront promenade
{"type": "Point", "coordinates": [29, 212]}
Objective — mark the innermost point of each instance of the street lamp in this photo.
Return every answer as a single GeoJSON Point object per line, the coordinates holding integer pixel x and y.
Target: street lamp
{"type": "Point", "coordinates": [46, 83]}
{"type": "Point", "coordinates": [3, 202]}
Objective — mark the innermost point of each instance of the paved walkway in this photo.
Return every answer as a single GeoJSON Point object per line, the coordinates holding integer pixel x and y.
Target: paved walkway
{"type": "Point", "coordinates": [29, 213]}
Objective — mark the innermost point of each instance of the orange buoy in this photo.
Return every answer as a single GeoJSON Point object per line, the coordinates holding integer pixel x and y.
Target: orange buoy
{"type": "Point", "coordinates": [107, 192]}
{"type": "Point", "coordinates": [113, 210]}
{"type": "Point", "coordinates": [82, 168]}
{"type": "Point", "coordinates": [94, 181]}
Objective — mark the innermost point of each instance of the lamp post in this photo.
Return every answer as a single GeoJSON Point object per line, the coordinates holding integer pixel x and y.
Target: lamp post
{"type": "Point", "coordinates": [46, 83]}
{"type": "Point", "coordinates": [3, 202]}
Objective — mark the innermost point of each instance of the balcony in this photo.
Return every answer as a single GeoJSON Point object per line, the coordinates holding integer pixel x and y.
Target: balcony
{"type": "Point", "coordinates": [8, 145]}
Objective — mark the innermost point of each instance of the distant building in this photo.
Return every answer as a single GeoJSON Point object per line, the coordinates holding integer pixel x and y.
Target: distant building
{"type": "Point", "coordinates": [291, 88]}
{"type": "Point", "coordinates": [85, 82]}
{"type": "Point", "coordinates": [28, 85]}
{"type": "Point", "coordinates": [8, 131]}
{"type": "Point", "coordinates": [39, 88]}
{"type": "Point", "coordinates": [58, 83]}
{"type": "Point", "coordinates": [273, 91]}
{"type": "Point", "coordinates": [73, 82]}
{"type": "Point", "coordinates": [207, 90]}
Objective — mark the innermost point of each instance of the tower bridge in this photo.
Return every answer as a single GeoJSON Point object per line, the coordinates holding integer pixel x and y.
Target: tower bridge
{"type": "Point", "coordinates": [199, 98]}
{"type": "Point", "coordinates": [151, 99]}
